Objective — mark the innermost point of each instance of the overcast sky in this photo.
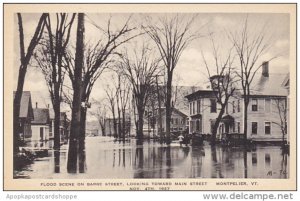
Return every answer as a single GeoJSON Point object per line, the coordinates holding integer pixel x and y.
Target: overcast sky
{"type": "Point", "coordinates": [190, 69]}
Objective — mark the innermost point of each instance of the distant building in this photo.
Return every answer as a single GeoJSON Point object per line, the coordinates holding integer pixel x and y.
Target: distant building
{"type": "Point", "coordinates": [109, 126]}
{"type": "Point", "coordinates": [26, 116]}
{"type": "Point", "coordinates": [64, 127]}
{"type": "Point", "coordinates": [178, 121]}
{"type": "Point", "coordinates": [40, 127]}
{"type": "Point", "coordinates": [268, 92]}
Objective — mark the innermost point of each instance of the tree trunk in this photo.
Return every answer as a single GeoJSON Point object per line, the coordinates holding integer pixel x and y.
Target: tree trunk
{"type": "Point", "coordinates": [76, 104]}
{"type": "Point", "coordinates": [17, 105]}
{"type": "Point", "coordinates": [140, 122]}
{"type": "Point", "coordinates": [159, 128]}
{"type": "Point", "coordinates": [56, 108]}
{"type": "Point", "coordinates": [103, 130]}
{"type": "Point", "coordinates": [119, 123]}
{"type": "Point", "coordinates": [124, 126]}
{"type": "Point", "coordinates": [115, 125]}
{"type": "Point", "coordinates": [216, 125]}
{"type": "Point", "coordinates": [82, 129]}
{"type": "Point", "coordinates": [168, 107]}
{"type": "Point", "coordinates": [246, 103]}
{"type": "Point", "coordinates": [25, 58]}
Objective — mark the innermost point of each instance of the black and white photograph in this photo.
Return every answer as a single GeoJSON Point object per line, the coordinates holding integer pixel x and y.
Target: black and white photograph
{"type": "Point", "coordinates": [151, 95]}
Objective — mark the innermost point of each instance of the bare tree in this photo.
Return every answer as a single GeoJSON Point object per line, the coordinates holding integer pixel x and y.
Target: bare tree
{"type": "Point", "coordinates": [171, 36]}
{"type": "Point", "coordinates": [281, 109]}
{"type": "Point", "coordinates": [111, 94]}
{"type": "Point", "coordinates": [24, 60]}
{"type": "Point", "coordinates": [222, 81]}
{"type": "Point", "coordinates": [123, 101]}
{"type": "Point", "coordinates": [97, 58]}
{"type": "Point", "coordinates": [76, 103]}
{"type": "Point", "coordinates": [49, 57]}
{"type": "Point", "coordinates": [140, 69]}
{"type": "Point", "coordinates": [101, 114]}
{"type": "Point", "coordinates": [249, 47]}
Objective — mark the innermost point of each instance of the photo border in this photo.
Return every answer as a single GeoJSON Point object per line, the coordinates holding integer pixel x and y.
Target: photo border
{"type": "Point", "coordinates": [8, 187]}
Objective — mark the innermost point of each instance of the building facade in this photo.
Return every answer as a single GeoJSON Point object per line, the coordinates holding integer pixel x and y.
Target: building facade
{"type": "Point", "coordinates": [267, 109]}
{"type": "Point", "coordinates": [26, 116]}
{"type": "Point", "coordinates": [178, 121]}
{"type": "Point", "coordinates": [40, 127]}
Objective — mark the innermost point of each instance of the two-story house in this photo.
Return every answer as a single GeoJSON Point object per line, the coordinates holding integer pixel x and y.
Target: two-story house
{"type": "Point", "coordinates": [267, 110]}
{"type": "Point", "coordinates": [178, 120]}
{"type": "Point", "coordinates": [203, 110]}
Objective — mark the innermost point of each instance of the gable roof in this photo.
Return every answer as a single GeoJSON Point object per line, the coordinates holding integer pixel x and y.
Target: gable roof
{"type": "Point", "coordinates": [41, 116]}
{"type": "Point", "coordinates": [269, 86]}
{"type": "Point", "coordinates": [201, 93]}
{"type": "Point", "coordinates": [163, 110]}
{"type": "Point", "coordinates": [25, 105]}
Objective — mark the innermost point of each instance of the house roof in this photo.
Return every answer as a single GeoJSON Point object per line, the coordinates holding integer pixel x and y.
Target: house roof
{"type": "Point", "coordinates": [269, 86]}
{"type": "Point", "coordinates": [26, 105]}
{"type": "Point", "coordinates": [41, 116]}
{"type": "Point", "coordinates": [274, 85]}
{"type": "Point", "coordinates": [163, 110]}
{"type": "Point", "coordinates": [201, 93]}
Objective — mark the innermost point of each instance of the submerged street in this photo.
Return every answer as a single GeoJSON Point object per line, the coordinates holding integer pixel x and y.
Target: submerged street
{"type": "Point", "coordinates": [106, 158]}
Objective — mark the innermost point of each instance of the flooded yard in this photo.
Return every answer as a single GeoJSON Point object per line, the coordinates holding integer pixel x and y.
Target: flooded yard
{"type": "Point", "coordinates": [106, 158]}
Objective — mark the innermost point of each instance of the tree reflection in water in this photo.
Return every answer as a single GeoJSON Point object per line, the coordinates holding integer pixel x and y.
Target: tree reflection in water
{"type": "Point", "coordinates": [105, 158]}
{"type": "Point", "coordinates": [56, 161]}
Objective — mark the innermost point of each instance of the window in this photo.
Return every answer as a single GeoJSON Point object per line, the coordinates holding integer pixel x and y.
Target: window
{"type": "Point", "coordinates": [194, 107]}
{"type": "Point", "coordinates": [191, 108]}
{"type": "Point", "coordinates": [254, 159]}
{"type": "Point", "coordinates": [239, 127]}
{"type": "Point", "coordinates": [233, 127]}
{"type": "Point", "coordinates": [198, 125]}
{"type": "Point", "coordinates": [41, 133]}
{"type": "Point", "coordinates": [213, 105]}
{"type": "Point", "coordinates": [171, 120]}
{"type": "Point", "coordinates": [254, 128]}
{"type": "Point", "coordinates": [239, 106]}
{"type": "Point", "coordinates": [50, 127]}
{"type": "Point", "coordinates": [182, 121]}
{"type": "Point", "coordinates": [267, 104]}
{"type": "Point", "coordinates": [254, 104]}
{"type": "Point", "coordinates": [267, 128]}
{"type": "Point", "coordinates": [226, 109]}
{"type": "Point", "coordinates": [198, 106]}
{"type": "Point", "coordinates": [267, 159]}
{"type": "Point", "coordinates": [233, 106]}
{"type": "Point", "coordinates": [176, 121]}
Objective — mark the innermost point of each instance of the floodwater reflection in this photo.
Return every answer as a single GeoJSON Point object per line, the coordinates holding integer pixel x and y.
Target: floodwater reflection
{"type": "Point", "coordinates": [105, 158]}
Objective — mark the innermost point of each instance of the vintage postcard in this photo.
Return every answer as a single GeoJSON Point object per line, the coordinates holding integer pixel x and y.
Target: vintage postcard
{"type": "Point", "coordinates": [150, 97]}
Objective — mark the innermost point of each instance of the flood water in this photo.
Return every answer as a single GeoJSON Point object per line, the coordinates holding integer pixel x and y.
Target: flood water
{"type": "Point", "coordinates": [106, 159]}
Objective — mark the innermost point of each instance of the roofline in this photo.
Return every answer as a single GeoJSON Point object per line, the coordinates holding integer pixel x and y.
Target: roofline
{"type": "Point", "coordinates": [199, 91]}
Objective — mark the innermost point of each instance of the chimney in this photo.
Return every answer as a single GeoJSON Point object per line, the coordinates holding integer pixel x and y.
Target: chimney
{"type": "Point", "coordinates": [265, 69]}
{"type": "Point", "coordinates": [36, 104]}
{"type": "Point", "coordinates": [48, 106]}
